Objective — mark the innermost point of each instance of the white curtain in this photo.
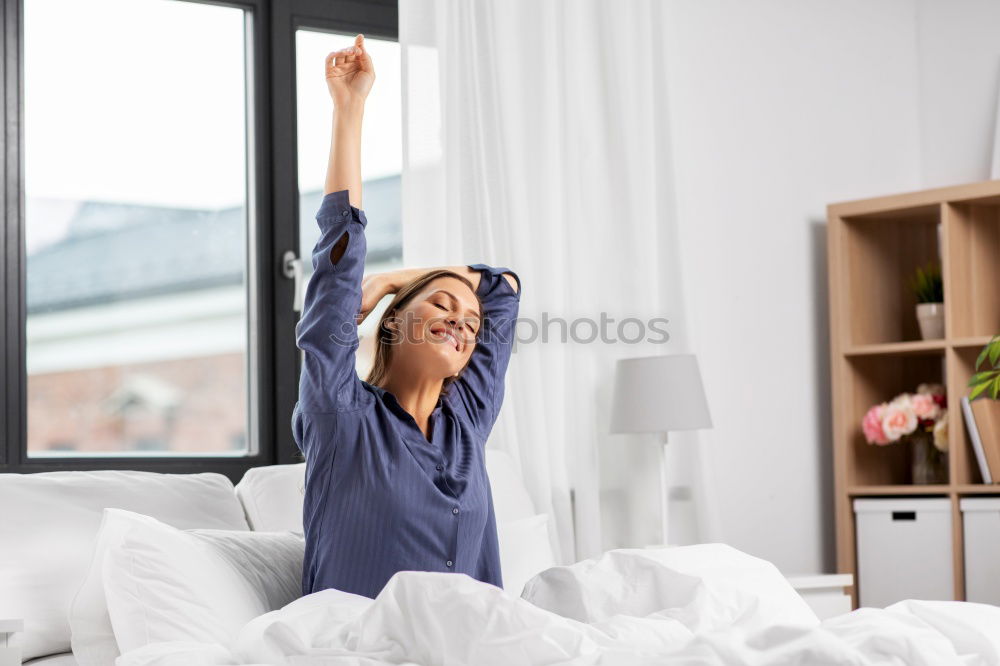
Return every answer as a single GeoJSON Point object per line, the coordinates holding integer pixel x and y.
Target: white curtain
{"type": "Point", "coordinates": [537, 137]}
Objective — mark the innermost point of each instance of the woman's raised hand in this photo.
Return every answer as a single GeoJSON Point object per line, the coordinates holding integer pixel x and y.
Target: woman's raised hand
{"type": "Point", "coordinates": [350, 74]}
{"type": "Point", "coordinates": [373, 289]}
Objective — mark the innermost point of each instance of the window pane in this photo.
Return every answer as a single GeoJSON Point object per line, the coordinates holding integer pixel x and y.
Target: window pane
{"type": "Point", "coordinates": [136, 217]}
{"type": "Point", "coordinates": [381, 156]}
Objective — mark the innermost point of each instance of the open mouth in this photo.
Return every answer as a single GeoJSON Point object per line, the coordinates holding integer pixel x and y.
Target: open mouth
{"type": "Point", "coordinates": [442, 333]}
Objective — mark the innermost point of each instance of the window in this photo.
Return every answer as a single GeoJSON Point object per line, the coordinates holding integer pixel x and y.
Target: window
{"type": "Point", "coordinates": [135, 221]}
{"type": "Point", "coordinates": [148, 324]}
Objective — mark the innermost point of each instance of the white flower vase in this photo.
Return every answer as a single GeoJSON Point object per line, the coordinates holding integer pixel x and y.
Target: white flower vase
{"type": "Point", "coordinates": [931, 318]}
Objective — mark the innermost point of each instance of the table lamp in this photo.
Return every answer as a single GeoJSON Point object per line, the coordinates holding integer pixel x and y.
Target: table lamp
{"type": "Point", "coordinates": [659, 394]}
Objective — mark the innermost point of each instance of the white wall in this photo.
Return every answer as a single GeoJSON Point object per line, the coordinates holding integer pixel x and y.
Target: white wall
{"type": "Point", "coordinates": [778, 107]}
{"type": "Point", "coordinates": [958, 44]}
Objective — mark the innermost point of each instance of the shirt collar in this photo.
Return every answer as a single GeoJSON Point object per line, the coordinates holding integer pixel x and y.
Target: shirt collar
{"type": "Point", "coordinates": [389, 398]}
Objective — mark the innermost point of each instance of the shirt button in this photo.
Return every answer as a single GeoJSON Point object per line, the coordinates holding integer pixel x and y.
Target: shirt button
{"type": "Point", "coordinates": [344, 213]}
{"type": "Point", "coordinates": [448, 563]}
{"type": "Point", "coordinates": [455, 510]}
{"type": "Point", "coordinates": [439, 467]}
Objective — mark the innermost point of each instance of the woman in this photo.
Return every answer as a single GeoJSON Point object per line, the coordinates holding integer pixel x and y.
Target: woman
{"type": "Point", "coordinates": [395, 476]}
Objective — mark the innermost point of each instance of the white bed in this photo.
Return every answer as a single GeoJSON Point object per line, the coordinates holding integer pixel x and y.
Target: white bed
{"type": "Point", "coordinates": [47, 546]}
{"type": "Point", "coordinates": [706, 604]}
{"type": "Point", "coordinates": [153, 583]}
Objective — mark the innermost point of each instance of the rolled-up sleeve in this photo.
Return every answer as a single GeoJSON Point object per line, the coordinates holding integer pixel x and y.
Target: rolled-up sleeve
{"type": "Point", "coordinates": [479, 390]}
{"type": "Point", "coordinates": [327, 331]}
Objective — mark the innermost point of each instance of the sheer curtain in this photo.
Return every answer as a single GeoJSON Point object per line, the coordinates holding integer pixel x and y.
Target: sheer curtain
{"type": "Point", "coordinates": [537, 137]}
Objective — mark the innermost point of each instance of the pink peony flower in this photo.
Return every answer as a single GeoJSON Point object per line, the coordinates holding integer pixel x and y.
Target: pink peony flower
{"type": "Point", "coordinates": [925, 407]}
{"type": "Point", "coordinates": [871, 425]}
{"type": "Point", "coordinates": [899, 418]}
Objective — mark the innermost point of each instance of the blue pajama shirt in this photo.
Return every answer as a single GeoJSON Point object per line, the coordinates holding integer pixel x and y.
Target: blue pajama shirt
{"type": "Point", "coordinates": [379, 496]}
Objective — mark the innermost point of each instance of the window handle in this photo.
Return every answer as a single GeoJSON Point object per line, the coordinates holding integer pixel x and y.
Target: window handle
{"type": "Point", "coordinates": [291, 266]}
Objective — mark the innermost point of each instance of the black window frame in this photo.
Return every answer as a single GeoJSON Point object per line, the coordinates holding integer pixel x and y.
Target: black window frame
{"type": "Point", "coordinates": [275, 217]}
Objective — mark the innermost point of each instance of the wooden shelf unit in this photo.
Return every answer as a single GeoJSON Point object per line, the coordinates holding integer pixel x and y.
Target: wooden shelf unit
{"type": "Point", "coordinates": [874, 247]}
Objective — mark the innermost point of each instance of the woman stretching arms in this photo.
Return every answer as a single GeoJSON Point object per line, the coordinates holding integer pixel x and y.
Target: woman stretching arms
{"type": "Point", "coordinates": [395, 473]}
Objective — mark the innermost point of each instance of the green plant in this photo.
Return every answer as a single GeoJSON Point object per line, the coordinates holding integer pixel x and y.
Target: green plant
{"type": "Point", "coordinates": [927, 284]}
{"type": "Point", "coordinates": [988, 381]}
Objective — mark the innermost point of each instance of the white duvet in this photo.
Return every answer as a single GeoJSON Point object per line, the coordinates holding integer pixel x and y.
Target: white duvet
{"type": "Point", "coordinates": [694, 605]}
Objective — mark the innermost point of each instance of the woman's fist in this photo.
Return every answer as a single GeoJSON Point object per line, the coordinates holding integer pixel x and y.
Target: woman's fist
{"type": "Point", "coordinates": [350, 74]}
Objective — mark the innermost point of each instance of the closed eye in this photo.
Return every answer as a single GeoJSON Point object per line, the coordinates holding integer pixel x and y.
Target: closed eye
{"type": "Point", "coordinates": [440, 306]}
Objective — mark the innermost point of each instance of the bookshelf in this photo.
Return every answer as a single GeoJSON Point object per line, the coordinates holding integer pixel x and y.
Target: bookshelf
{"type": "Point", "coordinates": [874, 246]}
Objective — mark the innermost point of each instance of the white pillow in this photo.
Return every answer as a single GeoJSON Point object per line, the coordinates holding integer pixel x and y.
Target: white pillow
{"type": "Point", "coordinates": [92, 638]}
{"type": "Point", "coordinates": [272, 497]}
{"type": "Point", "coordinates": [50, 523]}
{"type": "Point", "coordinates": [150, 582]}
{"type": "Point", "coordinates": [525, 550]}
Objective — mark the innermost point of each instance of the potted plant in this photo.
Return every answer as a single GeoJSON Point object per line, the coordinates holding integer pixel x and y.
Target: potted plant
{"type": "Point", "coordinates": [987, 382]}
{"type": "Point", "coordinates": [929, 289]}
{"type": "Point", "coordinates": [919, 418]}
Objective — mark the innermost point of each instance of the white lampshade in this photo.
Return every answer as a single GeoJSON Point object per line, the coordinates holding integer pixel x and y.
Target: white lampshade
{"type": "Point", "coordinates": [659, 394]}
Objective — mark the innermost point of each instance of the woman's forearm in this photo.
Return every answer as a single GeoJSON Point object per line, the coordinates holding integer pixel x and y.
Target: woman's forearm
{"type": "Point", "coordinates": [378, 285]}
{"type": "Point", "coordinates": [396, 280]}
{"type": "Point", "coordinates": [344, 168]}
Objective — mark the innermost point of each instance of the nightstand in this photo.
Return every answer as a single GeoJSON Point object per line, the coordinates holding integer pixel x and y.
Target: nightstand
{"type": "Point", "coordinates": [10, 647]}
{"type": "Point", "coordinates": [825, 593]}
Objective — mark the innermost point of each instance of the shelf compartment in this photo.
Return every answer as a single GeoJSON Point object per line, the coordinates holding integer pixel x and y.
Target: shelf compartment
{"type": "Point", "coordinates": [973, 296]}
{"type": "Point", "coordinates": [882, 255]}
{"type": "Point", "coordinates": [874, 379]}
{"type": "Point", "coordinates": [962, 364]}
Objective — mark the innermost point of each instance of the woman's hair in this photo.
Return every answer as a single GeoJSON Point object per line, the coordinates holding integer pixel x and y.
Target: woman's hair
{"type": "Point", "coordinates": [384, 335]}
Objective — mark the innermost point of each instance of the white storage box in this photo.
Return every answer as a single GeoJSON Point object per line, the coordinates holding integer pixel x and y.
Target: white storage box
{"type": "Point", "coordinates": [904, 550]}
{"type": "Point", "coordinates": [981, 527]}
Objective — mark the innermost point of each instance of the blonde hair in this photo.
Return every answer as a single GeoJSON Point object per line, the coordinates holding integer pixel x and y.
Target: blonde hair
{"type": "Point", "coordinates": [383, 345]}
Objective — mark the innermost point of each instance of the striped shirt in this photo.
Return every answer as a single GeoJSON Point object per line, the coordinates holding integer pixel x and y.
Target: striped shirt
{"type": "Point", "coordinates": [381, 497]}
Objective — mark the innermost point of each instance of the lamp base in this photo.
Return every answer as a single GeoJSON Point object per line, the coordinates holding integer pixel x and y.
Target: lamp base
{"type": "Point", "coordinates": [664, 491]}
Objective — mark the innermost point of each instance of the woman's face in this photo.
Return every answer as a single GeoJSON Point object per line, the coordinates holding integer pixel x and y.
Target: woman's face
{"type": "Point", "coordinates": [441, 323]}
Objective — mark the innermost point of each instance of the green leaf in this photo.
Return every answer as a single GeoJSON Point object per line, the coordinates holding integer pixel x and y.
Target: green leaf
{"type": "Point", "coordinates": [982, 356]}
{"type": "Point", "coordinates": [978, 390]}
{"type": "Point", "coordinates": [984, 376]}
{"type": "Point", "coordinates": [990, 351]}
{"type": "Point", "coordinates": [927, 285]}
{"type": "Point", "coordinates": [995, 391]}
